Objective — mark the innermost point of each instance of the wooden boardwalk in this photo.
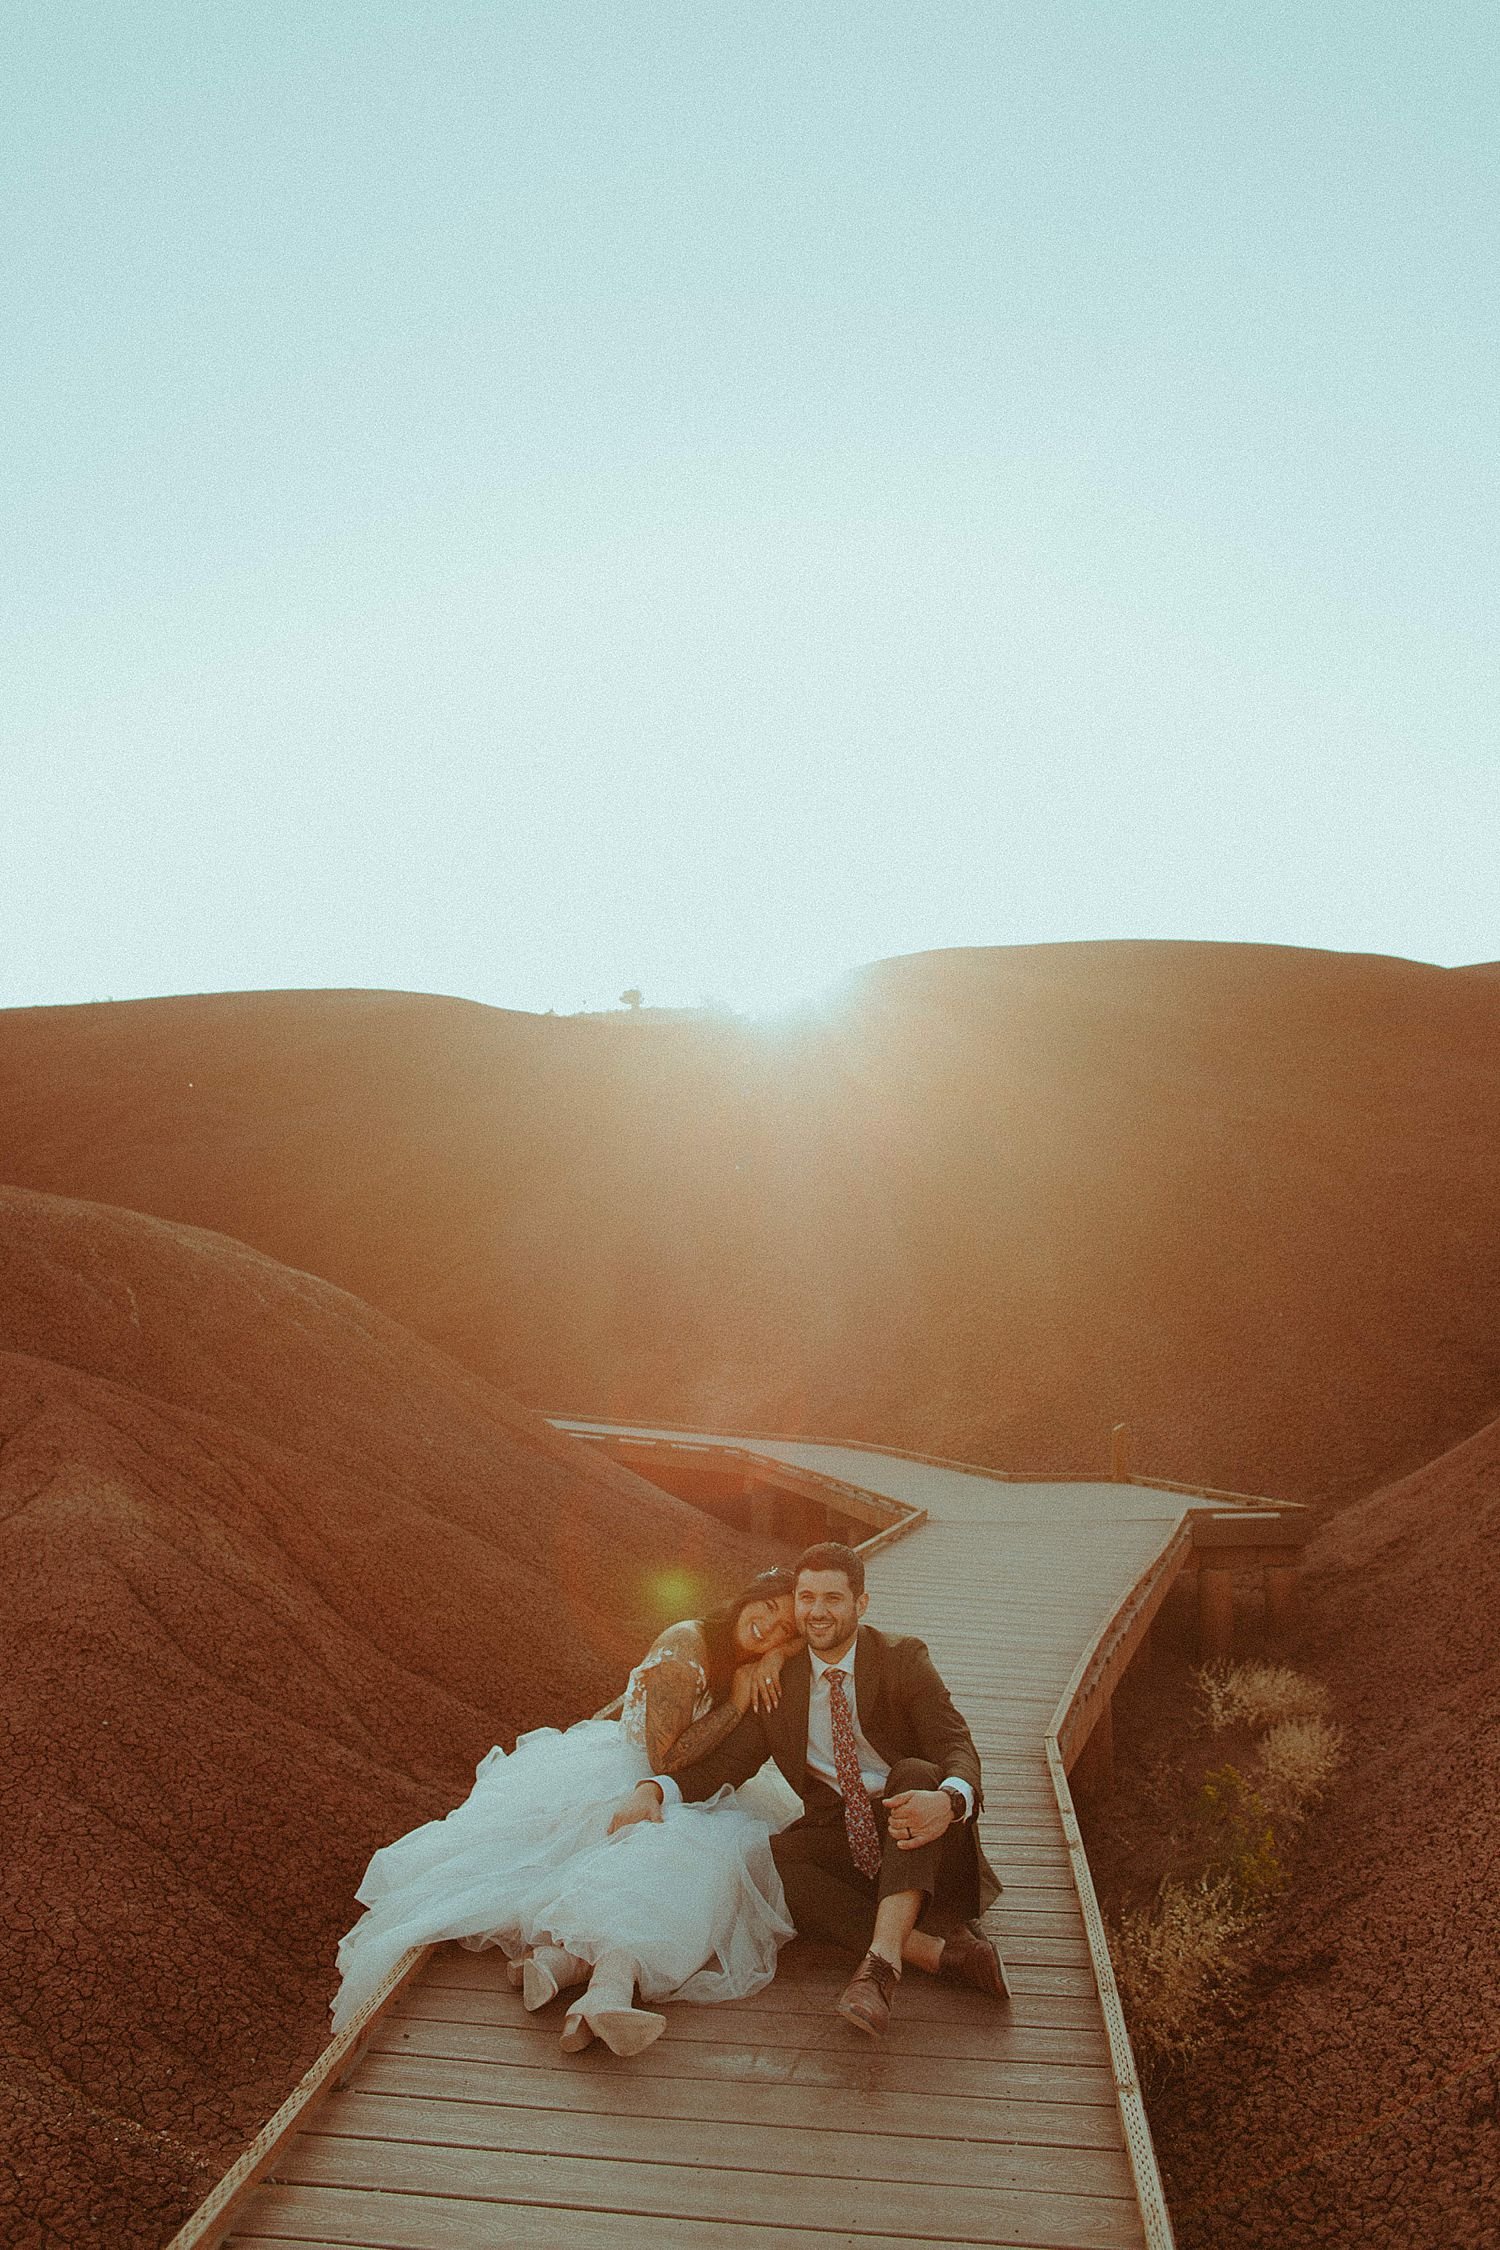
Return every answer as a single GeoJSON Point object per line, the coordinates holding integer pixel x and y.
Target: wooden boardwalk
{"type": "Point", "coordinates": [771, 2126]}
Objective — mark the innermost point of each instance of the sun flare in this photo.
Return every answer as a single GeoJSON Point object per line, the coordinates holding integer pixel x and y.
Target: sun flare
{"type": "Point", "coordinates": [778, 992]}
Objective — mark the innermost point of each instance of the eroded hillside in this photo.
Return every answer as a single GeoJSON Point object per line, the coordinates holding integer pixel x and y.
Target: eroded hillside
{"type": "Point", "coordinates": [274, 1574]}
{"type": "Point", "coordinates": [990, 1203]}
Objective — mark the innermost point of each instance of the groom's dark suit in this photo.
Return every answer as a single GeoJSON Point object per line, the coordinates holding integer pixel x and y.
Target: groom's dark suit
{"type": "Point", "coordinates": [907, 1715]}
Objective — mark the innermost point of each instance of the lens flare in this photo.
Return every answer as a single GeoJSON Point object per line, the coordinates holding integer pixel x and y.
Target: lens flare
{"type": "Point", "coordinates": [675, 1593]}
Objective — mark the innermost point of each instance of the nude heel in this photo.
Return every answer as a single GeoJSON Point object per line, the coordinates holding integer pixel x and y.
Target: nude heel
{"type": "Point", "coordinates": [577, 2033]}
{"type": "Point", "coordinates": [628, 2031]}
{"type": "Point", "coordinates": [607, 2011]}
{"type": "Point", "coordinates": [549, 1971]}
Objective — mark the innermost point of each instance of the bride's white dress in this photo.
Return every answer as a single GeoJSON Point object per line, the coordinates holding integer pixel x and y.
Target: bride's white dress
{"type": "Point", "coordinates": [694, 1898]}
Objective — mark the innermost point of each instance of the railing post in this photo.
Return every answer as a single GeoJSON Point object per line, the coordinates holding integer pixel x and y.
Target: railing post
{"type": "Point", "coordinates": [1215, 1615]}
{"type": "Point", "coordinates": [1119, 1452]}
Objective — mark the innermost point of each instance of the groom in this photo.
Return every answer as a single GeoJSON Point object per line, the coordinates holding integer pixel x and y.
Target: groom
{"type": "Point", "coordinates": [867, 1735]}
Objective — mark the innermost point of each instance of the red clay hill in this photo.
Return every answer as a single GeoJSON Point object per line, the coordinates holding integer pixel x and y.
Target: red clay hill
{"type": "Point", "coordinates": [992, 1202]}
{"type": "Point", "coordinates": [273, 1575]}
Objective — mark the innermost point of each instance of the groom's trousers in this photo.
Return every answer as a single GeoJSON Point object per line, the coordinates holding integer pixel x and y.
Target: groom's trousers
{"type": "Point", "coordinates": [826, 1895]}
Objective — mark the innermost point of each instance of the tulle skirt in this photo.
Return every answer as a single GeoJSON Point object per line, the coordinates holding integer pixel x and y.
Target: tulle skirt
{"type": "Point", "coordinates": [694, 1899]}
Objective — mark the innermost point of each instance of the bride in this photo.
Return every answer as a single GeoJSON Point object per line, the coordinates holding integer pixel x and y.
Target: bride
{"type": "Point", "coordinates": [689, 1907]}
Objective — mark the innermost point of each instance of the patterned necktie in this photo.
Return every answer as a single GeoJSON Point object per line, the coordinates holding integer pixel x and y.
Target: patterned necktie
{"type": "Point", "coordinates": [859, 1820]}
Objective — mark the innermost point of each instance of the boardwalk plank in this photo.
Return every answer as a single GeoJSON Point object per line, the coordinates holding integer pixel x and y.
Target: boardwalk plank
{"type": "Point", "coordinates": [790, 2016]}
{"type": "Point", "coordinates": [797, 1992]}
{"type": "Point", "coordinates": [1048, 2076]}
{"type": "Point", "coordinates": [995, 2117]}
{"type": "Point", "coordinates": [373, 2220]}
{"type": "Point", "coordinates": [805, 2150]}
{"type": "Point", "coordinates": [701, 2191]}
{"type": "Point", "coordinates": [772, 2037]}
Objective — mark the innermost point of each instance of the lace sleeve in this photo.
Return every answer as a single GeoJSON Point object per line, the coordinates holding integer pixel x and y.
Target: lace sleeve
{"type": "Point", "coordinates": [682, 1706]}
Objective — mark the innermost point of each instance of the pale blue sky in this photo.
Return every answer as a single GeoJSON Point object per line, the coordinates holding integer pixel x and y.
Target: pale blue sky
{"type": "Point", "coordinates": [525, 500]}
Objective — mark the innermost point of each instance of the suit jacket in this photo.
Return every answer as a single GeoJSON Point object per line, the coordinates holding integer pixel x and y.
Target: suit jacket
{"type": "Point", "coordinates": [905, 1711]}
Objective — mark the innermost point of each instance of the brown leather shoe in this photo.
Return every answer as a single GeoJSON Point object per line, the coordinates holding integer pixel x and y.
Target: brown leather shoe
{"type": "Point", "coordinates": [970, 1958]}
{"type": "Point", "coordinates": [866, 1998]}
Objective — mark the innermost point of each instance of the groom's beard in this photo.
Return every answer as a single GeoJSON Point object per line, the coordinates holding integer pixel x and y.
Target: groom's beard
{"type": "Point", "coordinates": [832, 1642]}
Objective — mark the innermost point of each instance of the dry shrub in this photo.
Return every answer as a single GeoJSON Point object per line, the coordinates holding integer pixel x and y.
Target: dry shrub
{"type": "Point", "coordinates": [1298, 1760]}
{"type": "Point", "coordinates": [1258, 1695]}
{"type": "Point", "coordinates": [1179, 1966]}
{"type": "Point", "coordinates": [1239, 1838]}
{"type": "Point", "coordinates": [1182, 1962]}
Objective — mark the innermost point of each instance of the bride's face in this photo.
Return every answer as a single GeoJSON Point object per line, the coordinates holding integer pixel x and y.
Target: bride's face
{"type": "Point", "coordinates": [763, 1625]}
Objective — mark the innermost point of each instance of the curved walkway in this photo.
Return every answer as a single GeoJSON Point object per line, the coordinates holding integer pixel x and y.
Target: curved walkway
{"type": "Point", "coordinates": [768, 2126]}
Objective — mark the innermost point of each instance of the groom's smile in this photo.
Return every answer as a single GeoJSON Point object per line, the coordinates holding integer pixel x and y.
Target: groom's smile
{"type": "Point", "coordinates": [828, 1611]}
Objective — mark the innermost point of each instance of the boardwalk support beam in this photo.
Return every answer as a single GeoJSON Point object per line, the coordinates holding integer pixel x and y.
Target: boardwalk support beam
{"type": "Point", "coordinates": [1215, 1615]}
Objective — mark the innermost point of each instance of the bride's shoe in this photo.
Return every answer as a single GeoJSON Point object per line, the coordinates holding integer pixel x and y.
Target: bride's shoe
{"type": "Point", "coordinates": [515, 1970]}
{"type": "Point", "coordinates": [607, 2011]}
{"type": "Point", "coordinates": [628, 2031]}
{"type": "Point", "coordinates": [549, 1971]}
{"type": "Point", "coordinates": [577, 2033]}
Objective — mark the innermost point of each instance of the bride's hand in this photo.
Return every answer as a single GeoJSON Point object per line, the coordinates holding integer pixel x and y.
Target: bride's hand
{"type": "Point", "coordinates": [757, 1685]}
{"type": "Point", "coordinates": [643, 1803]}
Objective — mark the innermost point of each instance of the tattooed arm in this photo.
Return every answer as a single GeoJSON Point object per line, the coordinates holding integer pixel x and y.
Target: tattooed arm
{"type": "Point", "coordinates": [756, 1686]}
{"type": "Point", "coordinates": [674, 1739]}
{"type": "Point", "coordinates": [703, 1735]}
{"type": "Point", "coordinates": [672, 1688]}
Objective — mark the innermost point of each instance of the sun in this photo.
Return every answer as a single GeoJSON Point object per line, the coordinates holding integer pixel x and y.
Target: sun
{"type": "Point", "coordinates": [776, 992]}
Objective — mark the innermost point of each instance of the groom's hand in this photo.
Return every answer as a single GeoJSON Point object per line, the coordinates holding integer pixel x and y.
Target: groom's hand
{"type": "Point", "coordinates": [918, 1817]}
{"type": "Point", "coordinates": [643, 1803]}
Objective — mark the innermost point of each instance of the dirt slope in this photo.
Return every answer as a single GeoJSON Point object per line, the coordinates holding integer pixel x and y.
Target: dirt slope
{"type": "Point", "coordinates": [1357, 2107]}
{"type": "Point", "coordinates": [1241, 1196]}
{"type": "Point", "coordinates": [273, 1576]}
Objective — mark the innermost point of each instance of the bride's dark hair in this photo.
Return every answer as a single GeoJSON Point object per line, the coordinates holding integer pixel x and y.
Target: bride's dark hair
{"type": "Point", "coordinates": [723, 1657]}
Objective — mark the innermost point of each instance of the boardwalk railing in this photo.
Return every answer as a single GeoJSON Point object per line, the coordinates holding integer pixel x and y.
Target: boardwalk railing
{"type": "Point", "coordinates": [1082, 1712]}
{"type": "Point", "coordinates": [1120, 1453]}
{"type": "Point", "coordinates": [224, 2205]}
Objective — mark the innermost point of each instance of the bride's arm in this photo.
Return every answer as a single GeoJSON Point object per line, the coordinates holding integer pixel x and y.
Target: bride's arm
{"type": "Point", "coordinates": [756, 1686]}
{"type": "Point", "coordinates": [674, 1738]}
{"type": "Point", "coordinates": [705, 1734]}
{"type": "Point", "coordinates": [688, 1750]}
{"type": "Point", "coordinates": [673, 1686]}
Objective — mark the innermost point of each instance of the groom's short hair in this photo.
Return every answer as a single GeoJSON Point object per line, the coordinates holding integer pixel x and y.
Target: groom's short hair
{"type": "Point", "coordinates": [832, 1554]}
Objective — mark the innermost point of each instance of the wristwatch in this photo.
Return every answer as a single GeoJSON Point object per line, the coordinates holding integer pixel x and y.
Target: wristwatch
{"type": "Point", "coordinates": [955, 1798]}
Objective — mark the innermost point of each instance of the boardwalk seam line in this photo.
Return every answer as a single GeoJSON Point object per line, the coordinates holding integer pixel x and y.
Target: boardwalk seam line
{"type": "Point", "coordinates": [327, 2132]}
{"type": "Point", "coordinates": [563, 2109]}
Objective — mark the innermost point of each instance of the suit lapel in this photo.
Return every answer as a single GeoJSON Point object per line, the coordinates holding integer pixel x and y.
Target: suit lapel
{"type": "Point", "coordinates": [869, 1676]}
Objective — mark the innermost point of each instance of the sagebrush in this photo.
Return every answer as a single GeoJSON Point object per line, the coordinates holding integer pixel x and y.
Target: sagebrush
{"type": "Point", "coordinates": [1296, 1761]}
{"type": "Point", "coordinates": [1181, 1962]}
{"type": "Point", "coordinates": [1179, 1966]}
{"type": "Point", "coordinates": [1239, 1837]}
{"type": "Point", "coordinates": [1258, 1695]}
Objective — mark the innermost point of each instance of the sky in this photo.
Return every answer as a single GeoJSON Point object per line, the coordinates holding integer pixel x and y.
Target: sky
{"type": "Point", "coordinates": [526, 501]}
